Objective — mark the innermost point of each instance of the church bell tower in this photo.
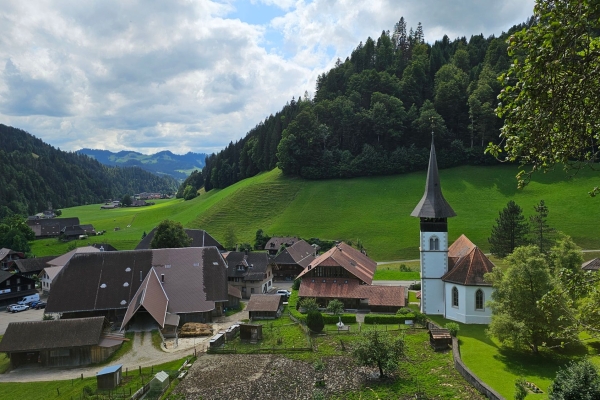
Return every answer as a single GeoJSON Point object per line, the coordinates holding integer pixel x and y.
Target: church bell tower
{"type": "Point", "coordinates": [433, 211]}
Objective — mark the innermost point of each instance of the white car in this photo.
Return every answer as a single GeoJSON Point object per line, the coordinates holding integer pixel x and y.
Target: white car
{"type": "Point", "coordinates": [18, 307]}
{"type": "Point", "coordinates": [284, 292]}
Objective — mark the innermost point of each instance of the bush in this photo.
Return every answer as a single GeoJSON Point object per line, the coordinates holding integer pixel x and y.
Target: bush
{"type": "Point", "coordinates": [577, 380]}
{"type": "Point", "coordinates": [293, 307]}
{"type": "Point", "coordinates": [296, 284]}
{"type": "Point", "coordinates": [404, 311]}
{"type": "Point", "coordinates": [309, 304]}
{"type": "Point", "coordinates": [453, 328]}
{"type": "Point", "coordinates": [388, 319]}
{"type": "Point", "coordinates": [314, 320]}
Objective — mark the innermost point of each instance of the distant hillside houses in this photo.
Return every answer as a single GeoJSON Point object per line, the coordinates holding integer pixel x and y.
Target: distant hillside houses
{"type": "Point", "coordinates": [147, 196]}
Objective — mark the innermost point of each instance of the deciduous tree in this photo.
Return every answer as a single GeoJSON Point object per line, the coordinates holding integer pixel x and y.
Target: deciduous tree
{"type": "Point", "coordinates": [335, 307]}
{"type": "Point", "coordinates": [509, 232]}
{"type": "Point", "coordinates": [379, 349]}
{"type": "Point", "coordinates": [517, 316]}
{"type": "Point", "coordinates": [577, 381]}
{"type": "Point", "coordinates": [549, 101]}
{"type": "Point", "coordinates": [170, 234]}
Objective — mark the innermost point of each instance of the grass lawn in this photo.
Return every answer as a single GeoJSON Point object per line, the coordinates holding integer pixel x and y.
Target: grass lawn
{"type": "Point", "coordinates": [156, 340]}
{"type": "Point", "coordinates": [4, 361]}
{"type": "Point", "coordinates": [231, 312]}
{"type": "Point", "coordinates": [412, 297]}
{"type": "Point", "coordinates": [375, 210]}
{"type": "Point", "coordinates": [500, 367]}
{"type": "Point", "coordinates": [390, 272]}
{"type": "Point", "coordinates": [73, 389]}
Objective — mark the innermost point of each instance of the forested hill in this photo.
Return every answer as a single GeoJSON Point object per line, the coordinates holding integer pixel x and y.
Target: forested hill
{"type": "Point", "coordinates": [373, 113]}
{"type": "Point", "coordinates": [162, 163]}
{"type": "Point", "coordinates": [33, 173]}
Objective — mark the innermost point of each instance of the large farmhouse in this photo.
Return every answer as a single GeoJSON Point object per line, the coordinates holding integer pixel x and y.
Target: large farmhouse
{"type": "Point", "coordinates": [249, 272]}
{"type": "Point", "coordinates": [452, 278]}
{"type": "Point", "coordinates": [142, 286]}
{"type": "Point", "coordinates": [346, 274]}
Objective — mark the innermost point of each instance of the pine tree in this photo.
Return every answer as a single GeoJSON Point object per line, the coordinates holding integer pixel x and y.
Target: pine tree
{"type": "Point", "coordinates": [509, 232]}
{"type": "Point", "coordinates": [541, 232]}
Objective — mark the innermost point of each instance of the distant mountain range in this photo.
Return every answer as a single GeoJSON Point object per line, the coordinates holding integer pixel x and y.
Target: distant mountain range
{"type": "Point", "coordinates": [161, 163]}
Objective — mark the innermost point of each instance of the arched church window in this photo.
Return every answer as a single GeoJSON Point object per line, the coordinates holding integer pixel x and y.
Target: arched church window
{"type": "Point", "coordinates": [479, 299]}
{"type": "Point", "coordinates": [454, 297]}
{"type": "Point", "coordinates": [434, 243]}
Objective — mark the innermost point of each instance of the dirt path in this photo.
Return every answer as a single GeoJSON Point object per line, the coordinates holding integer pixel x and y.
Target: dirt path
{"type": "Point", "coordinates": [143, 354]}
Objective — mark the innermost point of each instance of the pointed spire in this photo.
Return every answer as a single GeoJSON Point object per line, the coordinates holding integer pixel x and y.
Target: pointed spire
{"type": "Point", "coordinates": [433, 204]}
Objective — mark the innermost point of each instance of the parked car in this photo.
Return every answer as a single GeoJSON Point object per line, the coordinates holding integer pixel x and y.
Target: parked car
{"type": "Point", "coordinates": [40, 305]}
{"type": "Point", "coordinates": [18, 307]}
{"type": "Point", "coordinates": [285, 293]}
{"type": "Point", "coordinates": [9, 307]}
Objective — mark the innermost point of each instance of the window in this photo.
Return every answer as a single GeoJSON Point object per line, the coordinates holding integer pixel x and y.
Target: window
{"type": "Point", "coordinates": [479, 299]}
{"type": "Point", "coordinates": [18, 280]}
{"type": "Point", "coordinates": [454, 297]}
{"type": "Point", "coordinates": [434, 243]}
{"type": "Point", "coordinates": [251, 290]}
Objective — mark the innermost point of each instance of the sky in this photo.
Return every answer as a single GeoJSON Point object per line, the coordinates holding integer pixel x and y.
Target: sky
{"type": "Point", "coordinates": [192, 75]}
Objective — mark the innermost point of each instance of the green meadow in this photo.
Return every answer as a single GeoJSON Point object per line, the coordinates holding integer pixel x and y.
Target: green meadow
{"type": "Point", "coordinates": [375, 210]}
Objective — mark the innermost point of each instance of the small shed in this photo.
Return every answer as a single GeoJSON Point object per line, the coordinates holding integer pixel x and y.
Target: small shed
{"type": "Point", "coordinates": [440, 339]}
{"type": "Point", "coordinates": [109, 378]}
{"type": "Point", "coordinates": [217, 340]}
{"type": "Point", "coordinates": [250, 333]}
{"type": "Point", "coordinates": [160, 382]}
{"type": "Point", "coordinates": [265, 306]}
{"type": "Point", "coordinates": [232, 332]}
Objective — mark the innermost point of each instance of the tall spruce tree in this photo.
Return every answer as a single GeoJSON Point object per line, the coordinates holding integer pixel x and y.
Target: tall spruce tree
{"type": "Point", "coordinates": [541, 232]}
{"type": "Point", "coordinates": [509, 232]}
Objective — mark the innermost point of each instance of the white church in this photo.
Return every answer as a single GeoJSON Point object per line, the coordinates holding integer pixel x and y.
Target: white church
{"type": "Point", "coordinates": [452, 281]}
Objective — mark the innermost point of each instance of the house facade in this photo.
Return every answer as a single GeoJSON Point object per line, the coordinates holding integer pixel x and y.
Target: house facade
{"type": "Point", "coordinates": [250, 272]}
{"type": "Point", "coordinates": [8, 258]}
{"type": "Point", "coordinates": [346, 274]}
{"type": "Point", "coordinates": [13, 287]}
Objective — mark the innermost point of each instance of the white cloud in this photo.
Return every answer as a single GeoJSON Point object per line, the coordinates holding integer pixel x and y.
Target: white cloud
{"type": "Point", "coordinates": [182, 75]}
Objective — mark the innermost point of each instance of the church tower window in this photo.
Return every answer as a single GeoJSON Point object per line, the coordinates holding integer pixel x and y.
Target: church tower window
{"type": "Point", "coordinates": [454, 297]}
{"type": "Point", "coordinates": [479, 299]}
{"type": "Point", "coordinates": [434, 243]}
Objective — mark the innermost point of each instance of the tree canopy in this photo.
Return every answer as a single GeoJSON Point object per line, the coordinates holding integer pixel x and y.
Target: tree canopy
{"type": "Point", "coordinates": [549, 99]}
{"type": "Point", "coordinates": [379, 349]}
{"type": "Point", "coordinates": [518, 318]}
{"type": "Point", "coordinates": [170, 234]}
{"type": "Point", "coordinates": [15, 234]}
{"type": "Point", "coordinates": [577, 381]}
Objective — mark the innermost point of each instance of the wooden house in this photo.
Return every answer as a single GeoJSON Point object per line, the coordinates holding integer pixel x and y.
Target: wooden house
{"type": "Point", "coordinates": [265, 306]}
{"type": "Point", "coordinates": [250, 272]}
{"type": "Point", "coordinates": [292, 260]}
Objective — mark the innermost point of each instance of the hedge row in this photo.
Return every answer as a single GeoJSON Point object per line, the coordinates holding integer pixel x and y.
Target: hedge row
{"type": "Point", "coordinates": [334, 319]}
{"type": "Point", "coordinates": [388, 319]}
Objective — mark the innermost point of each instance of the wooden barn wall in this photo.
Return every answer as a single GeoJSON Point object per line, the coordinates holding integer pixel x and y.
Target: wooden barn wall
{"type": "Point", "coordinates": [66, 357]}
{"type": "Point", "coordinates": [202, 317]}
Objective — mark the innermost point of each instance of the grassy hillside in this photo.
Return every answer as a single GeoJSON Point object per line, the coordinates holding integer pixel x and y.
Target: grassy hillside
{"type": "Point", "coordinates": [375, 209]}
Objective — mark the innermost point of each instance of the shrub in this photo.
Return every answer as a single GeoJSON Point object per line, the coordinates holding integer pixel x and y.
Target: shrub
{"type": "Point", "coordinates": [309, 304]}
{"type": "Point", "coordinates": [520, 389]}
{"type": "Point", "coordinates": [404, 311]}
{"type": "Point", "coordinates": [388, 319]}
{"type": "Point", "coordinates": [314, 320]}
{"type": "Point", "coordinates": [577, 380]}
{"type": "Point", "coordinates": [335, 307]}
{"type": "Point", "coordinates": [404, 268]}
{"type": "Point", "coordinates": [453, 328]}
{"type": "Point", "coordinates": [296, 284]}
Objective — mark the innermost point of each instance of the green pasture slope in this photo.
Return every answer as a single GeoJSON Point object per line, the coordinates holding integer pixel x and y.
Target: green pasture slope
{"type": "Point", "coordinates": [375, 210]}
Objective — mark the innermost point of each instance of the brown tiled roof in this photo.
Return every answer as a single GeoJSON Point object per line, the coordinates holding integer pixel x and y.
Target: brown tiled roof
{"type": "Point", "coordinates": [440, 333]}
{"type": "Point", "coordinates": [33, 264]}
{"type": "Point", "coordinates": [470, 269]}
{"type": "Point", "coordinates": [460, 248]}
{"type": "Point", "coordinates": [592, 265]}
{"type": "Point", "coordinates": [234, 292]}
{"type": "Point", "coordinates": [152, 297]}
{"type": "Point", "coordinates": [61, 333]}
{"type": "Point", "coordinates": [331, 288]}
{"type": "Point", "coordinates": [264, 302]}
{"type": "Point", "coordinates": [300, 253]}
{"type": "Point", "coordinates": [275, 242]}
{"type": "Point", "coordinates": [347, 257]}
{"type": "Point", "coordinates": [199, 238]}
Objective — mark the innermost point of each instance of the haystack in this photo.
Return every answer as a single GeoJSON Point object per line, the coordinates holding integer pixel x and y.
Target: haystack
{"type": "Point", "coordinates": [195, 329]}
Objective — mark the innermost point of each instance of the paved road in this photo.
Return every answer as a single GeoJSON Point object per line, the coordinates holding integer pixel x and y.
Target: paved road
{"type": "Point", "coordinates": [27, 315]}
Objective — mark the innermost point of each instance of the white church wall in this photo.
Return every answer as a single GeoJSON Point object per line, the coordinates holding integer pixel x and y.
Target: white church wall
{"type": "Point", "coordinates": [434, 264]}
{"type": "Point", "coordinates": [466, 311]}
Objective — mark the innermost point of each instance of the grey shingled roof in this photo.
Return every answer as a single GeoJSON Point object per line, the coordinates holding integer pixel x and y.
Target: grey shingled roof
{"type": "Point", "coordinates": [264, 302]}
{"type": "Point", "coordinates": [60, 333]}
{"type": "Point", "coordinates": [33, 264]}
{"type": "Point", "coordinates": [433, 204]}
{"type": "Point", "coordinates": [300, 253]}
{"type": "Point", "coordinates": [255, 263]}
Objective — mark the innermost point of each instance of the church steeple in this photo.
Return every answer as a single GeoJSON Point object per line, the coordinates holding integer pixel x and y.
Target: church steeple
{"type": "Point", "coordinates": [433, 204]}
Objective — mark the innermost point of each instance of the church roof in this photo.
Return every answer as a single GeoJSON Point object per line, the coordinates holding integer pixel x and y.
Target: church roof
{"type": "Point", "coordinates": [433, 204]}
{"type": "Point", "coordinates": [470, 269]}
{"type": "Point", "coordinates": [592, 265]}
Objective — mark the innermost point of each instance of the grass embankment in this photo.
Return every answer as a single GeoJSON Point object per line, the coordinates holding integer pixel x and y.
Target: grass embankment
{"type": "Point", "coordinates": [4, 360]}
{"type": "Point", "coordinates": [375, 210]}
{"type": "Point", "coordinates": [405, 271]}
{"type": "Point", "coordinates": [499, 366]}
{"type": "Point", "coordinates": [76, 387]}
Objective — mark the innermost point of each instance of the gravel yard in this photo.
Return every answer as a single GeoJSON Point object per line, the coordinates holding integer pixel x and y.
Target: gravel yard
{"type": "Point", "coordinates": [239, 376]}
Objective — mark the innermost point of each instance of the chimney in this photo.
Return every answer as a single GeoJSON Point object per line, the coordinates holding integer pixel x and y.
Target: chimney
{"type": "Point", "coordinates": [162, 278]}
